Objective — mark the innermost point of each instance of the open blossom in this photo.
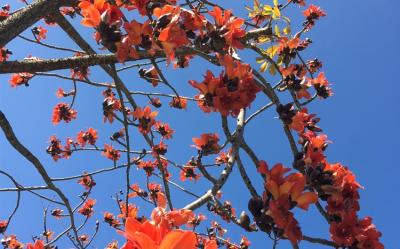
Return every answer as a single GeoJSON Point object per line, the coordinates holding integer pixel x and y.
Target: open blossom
{"type": "Point", "coordinates": [164, 130]}
{"type": "Point", "coordinates": [159, 232]}
{"type": "Point", "coordinates": [233, 90]}
{"type": "Point", "coordinates": [111, 153]}
{"type": "Point", "coordinates": [321, 85]}
{"type": "Point", "coordinates": [229, 27]}
{"type": "Point", "coordinates": [313, 13]}
{"type": "Point", "coordinates": [87, 208]}
{"type": "Point", "coordinates": [39, 244]}
{"type": "Point", "coordinates": [89, 136]}
{"type": "Point", "coordinates": [159, 149]}
{"type": "Point", "coordinates": [146, 118]}
{"type": "Point", "coordinates": [188, 171]}
{"type": "Point", "coordinates": [207, 143]}
{"type": "Point", "coordinates": [63, 112]}
{"type": "Point", "coordinates": [18, 79]}
{"type": "Point", "coordinates": [87, 181]}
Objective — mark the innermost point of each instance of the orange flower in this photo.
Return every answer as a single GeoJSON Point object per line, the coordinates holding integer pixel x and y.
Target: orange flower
{"type": "Point", "coordinates": [207, 143]}
{"type": "Point", "coordinates": [131, 211]}
{"type": "Point", "coordinates": [229, 27]}
{"type": "Point", "coordinates": [164, 130]}
{"type": "Point", "coordinates": [157, 195]}
{"type": "Point", "coordinates": [321, 85]}
{"type": "Point", "coordinates": [39, 244]}
{"type": "Point", "coordinates": [313, 13]}
{"type": "Point", "coordinates": [188, 172]}
{"type": "Point", "coordinates": [159, 149]}
{"type": "Point", "coordinates": [39, 33]}
{"type": "Point", "coordinates": [91, 12]}
{"type": "Point", "coordinates": [171, 36]}
{"type": "Point", "coordinates": [62, 112]}
{"type": "Point", "coordinates": [156, 235]}
{"type": "Point", "coordinates": [179, 103]}
{"type": "Point", "coordinates": [110, 105]}
{"type": "Point", "coordinates": [87, 208]}
{"type": "Point", "coordinates": [110, 153]}
{"type": "Point", "coordinates": [233, 90]}
{"type": "Point", "coordinates": [146, 118]}
{"type": "Point", "coordinates": [111, 220]}
{"type": "Point", "coordinates": [3, 226]}
{"type": "Point", "coordinates": [89, 136]}
{"type": "Point", "coordinates": [20, 79]}
{"type": "Point", "coordinates": [87, 181]}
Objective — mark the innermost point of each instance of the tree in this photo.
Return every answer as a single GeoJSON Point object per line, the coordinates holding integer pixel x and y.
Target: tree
{"type": "Point", "coordinates": [157, 36]}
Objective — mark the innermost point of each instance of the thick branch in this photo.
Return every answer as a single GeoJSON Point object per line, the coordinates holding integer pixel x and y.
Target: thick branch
{"type": "Point", "coordinates": [23, 19]}
{"type": "Point", "coordinates": [13, 140]}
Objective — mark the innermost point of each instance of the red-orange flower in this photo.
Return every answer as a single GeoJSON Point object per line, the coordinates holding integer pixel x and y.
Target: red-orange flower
{"type": "Point", "coordinates": [87, 181]}
{"type": "Point", "coordinates": [321, 85]}
{"type": "Point", "coordinates": [40, 33]}
{"type": "Point", "coordinates": [87, 208]}
{"type": "Point", "coordinates": [157, 195]}
{"type": "Point", "coordinates": [313, 13]}
{"type": "Point", "coordinates": [39, 244]}
{"type": "Point", "coordinates": [188, 172]}
{"type": "Point", "coordinates": [91, 12]}
{"type": "Point", "coordinates": [111, 153]}
{"type": "Point", "coordinates": [89, 136]}
{"type": "Point", "coordinates": [207, 143]}
{"type": "Point", "coordinates": [159, 149]}
{"type": "Point", "coordinates": [229, 27]}
{"type": "Point", "coordinates": [171, 36]}
{"type": "Point", "coordinates": [111, 220]}
{"type": "Point", "coordinates": [20, 79]}
{"type": "Point", "coordinates": [233, 90]}
{"type": "Point", "coordinates": [63, 112]}
{"type": "Point", "coordinates": [164, 130]}
{"type": "Point", "coordinates": [146, 118]}
{"type": "Point", "coordinates": [156, 234]}
{"type": "Point", "coordinates": [3, 225]}
{"type": "Point", "coordinates": [179, 103]}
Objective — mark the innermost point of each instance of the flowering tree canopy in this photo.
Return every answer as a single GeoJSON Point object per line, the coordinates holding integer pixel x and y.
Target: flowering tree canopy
{"type": "Point", "coordinates": [253, 66]}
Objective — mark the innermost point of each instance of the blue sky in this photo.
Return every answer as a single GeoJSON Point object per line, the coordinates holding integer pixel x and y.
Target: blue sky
{"type": "Point", "coordinates": [358, 44]}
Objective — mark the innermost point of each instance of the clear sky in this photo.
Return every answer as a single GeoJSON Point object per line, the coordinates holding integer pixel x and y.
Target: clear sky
{"type": "Point", "coordinates": [358, 44]}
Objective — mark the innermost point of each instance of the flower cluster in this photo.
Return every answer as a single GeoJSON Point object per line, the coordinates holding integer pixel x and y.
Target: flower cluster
{"type": "Point", "coordinates": [233, 90]}
{"type": "Point", "coordinates": [282, 193]}
{"type": "Point", "coordinates": [62, 111]}
{"type": "Point", "coordinates": [334, 183]}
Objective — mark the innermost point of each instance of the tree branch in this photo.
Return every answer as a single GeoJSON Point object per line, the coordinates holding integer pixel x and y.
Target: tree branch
{"type": "Point", "coordinates": [26, 17]}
